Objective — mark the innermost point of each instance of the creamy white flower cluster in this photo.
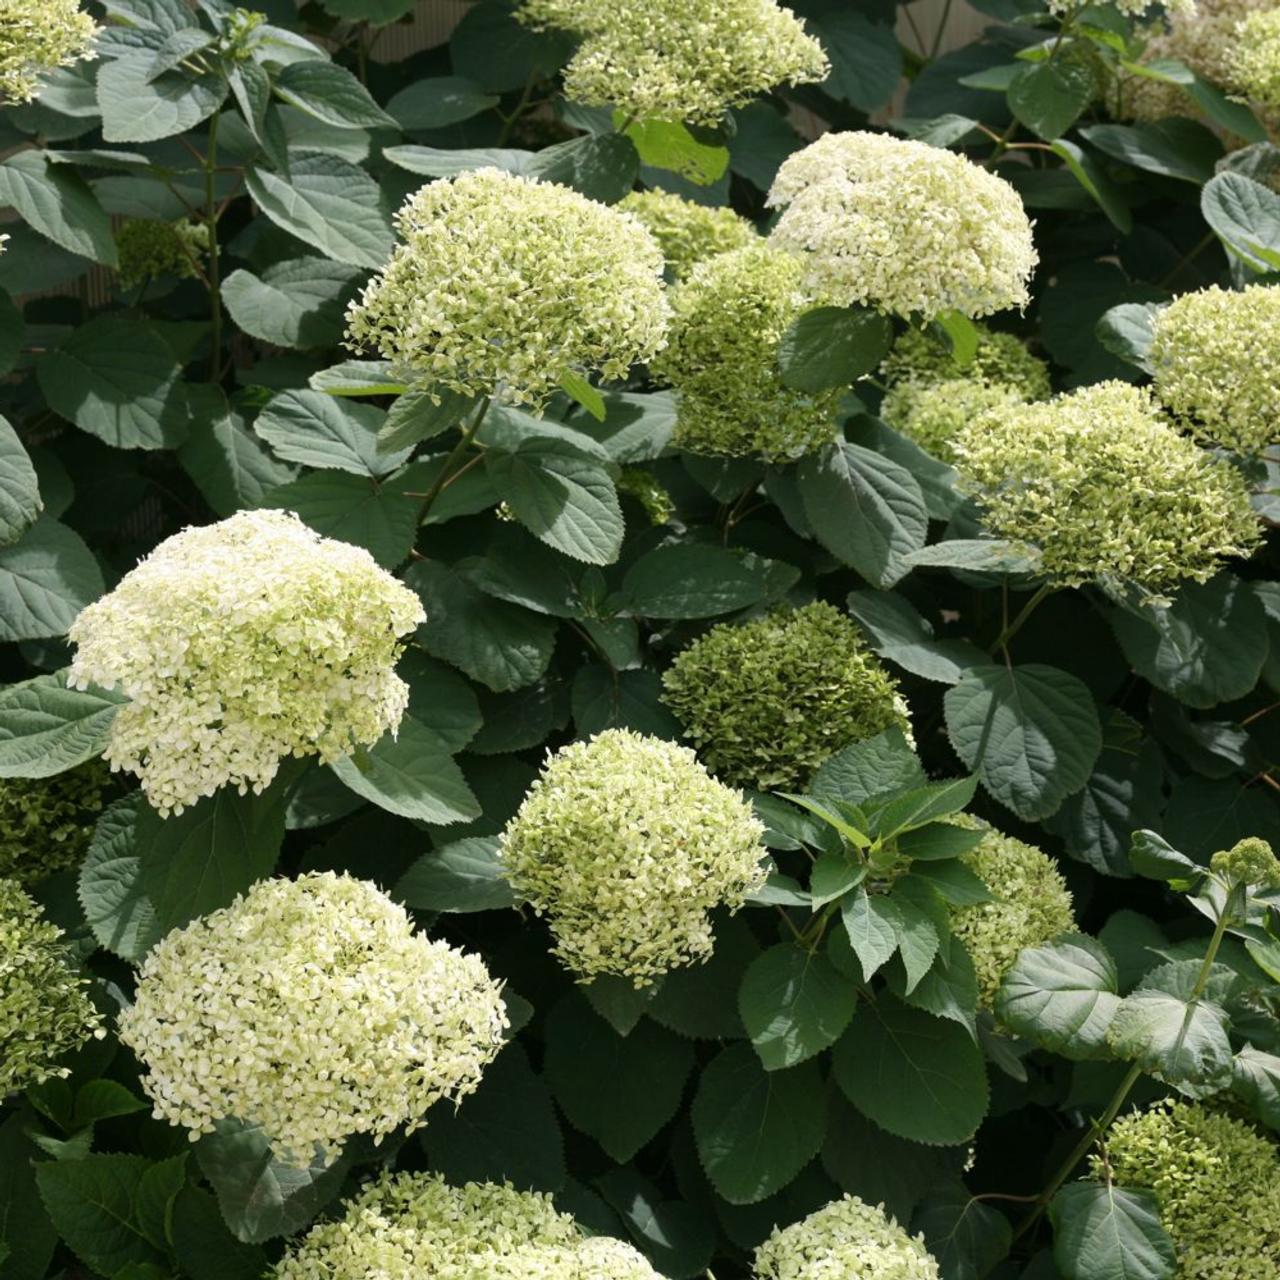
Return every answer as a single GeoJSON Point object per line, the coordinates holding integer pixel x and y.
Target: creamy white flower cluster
{"type": "Point", "coordinates": [310, 1007]}
{"type": "Point", "coordinates": [904, 227]}
{"type": "Point", "coordinates": [845, 1240]}
{"type": "Point", "coordinates": [688, 233]}
{"type": "Point", "coordinates": [505, 284]}
{"type": "Point", "coordinates": [411, 1226]}
{"type": "Point", "coordinates": [626, 843]}
{"type": "Point", "coordinates": [1133, 8]}
{"type": "Point", "coordinates": [35, 37]}
{"type": "Point", "coordinates": [680, 59]}
{"type": "Point", "coordinates": [240, 643]}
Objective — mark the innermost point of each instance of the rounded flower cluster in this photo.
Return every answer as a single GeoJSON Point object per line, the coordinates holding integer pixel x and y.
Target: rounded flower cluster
{"type": "Point", "coordinates": [904, 227]}
{"type": "Point", "coordinates": [1257, 57]}
{"type": "Point", "coordinates": [503, 284]}
{"type": "Point", "coordinates": [729, 316]}
{"type": "Point", "coordinates": [35, 37]}
{"type": "Point", "coordinates": [147, 248]}
{"type": "Point", "coordinates": [934, 413]}
{"type": "Point", "coordinates": [1216, 361]}
{"type": "Point", "coordinates": [44, 1011]}
{"type": "Point", "coordinates": [1104, 486]}
{"type": "Point", "coordinates": [407, 1225]}
{"type": "Point", "coordinates": [46, 823]}
{"type": "Point", "coordinates": [642, 485]}
{"type": "Point", "coordinates": [626, 843]}
{"type": "Point", "coordinates": [1030, 905]}
{"type": "Point", "coordinates": [1248, 861]}
{"type": "Point", "coordinates": [1000, 358]}
{"type": "Point", "coordinates": [846, 1240]}
{"type": "Point", "coordinates": [1217, 1181]}
{"type": "Point", "coordinates": [241, 643]}
{"type": "Point", "coordinates": [310, 1007]}
{"type": "Point", "coordinates": [680, 59]}
{"type": "Point", "coordinates": [765, 703]}
{"type": "Point", "coordinates": [688, 233]}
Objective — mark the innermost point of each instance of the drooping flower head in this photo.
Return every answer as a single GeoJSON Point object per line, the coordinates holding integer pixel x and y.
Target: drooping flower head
{"type": "Point", "coordinates": [626, 843]}
{"type": "Point", "coordinates": [147, 247]}
{"type": "Point", "coordinates": [1256, 68]}
{"type": "Point", "coordinates": [765, 703]}
{"type": "Point", "coordinates": [679, 59]}
{"type": "Point", "coordinates": [407, 1225]}
{"type": "Point", "coordinates": [503, 284]}
{"type": "Point", "coordinates": [847, 1239]}
{"type": "Point", "coordinates": [722, 359]}
{"type": "Point", "coordinates": [1217, 1181]}
{"type": "Point", "coordinates": [35, 37]}
{"type": "Point", "coordinates": [1216, 361]}
{"type": "Point", "coordinates": [688, 233]}
{"type": "Point", "coordinates": [1249, 861]}
{"type": "Point", "coordinates": [310, 1007]}
{"type": "Point", "coordinates": [240, 643]}
{"type": "Point", "coordinates": [44, 1011]}
{"type": "Point", "coordinates": [1104, 486]}
{"type": "Point", "coordinates": [46, 823]}
{"type": "Point", "coordinates": [904, 227]}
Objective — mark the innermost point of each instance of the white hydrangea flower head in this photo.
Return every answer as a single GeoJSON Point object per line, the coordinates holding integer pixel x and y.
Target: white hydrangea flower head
{"type": "Point", "coordinates": [626, 843]}
{"type": "Point", "coordinates": [1256, 70]}
{"type": "Point", "coordinates": [503, 284]}
{"type": "Point", "coordinates": [680, 59]}
{"type": "Point", "coordinates": [845, 1240]}
{"type": "Point", "coordinates": [1216, 360]}
{"type": "Point", "coordinates": [35, 37]}
{"type": "Point", "coordinates": [240, 643]}
{"type": "Point", "coordinates": [312, 1008]}
{"type": "Point", "coordinates": [1131, 8]}
{"type": "Point", "coordinates": [688, 233]}
{"type": "Point", "coordinates": [904, 227]}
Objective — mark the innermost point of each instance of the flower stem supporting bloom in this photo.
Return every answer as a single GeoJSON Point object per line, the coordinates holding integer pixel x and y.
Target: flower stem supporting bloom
{"type": "Point", "coordinates": [447, 472]}
{"type": "Point", "coordinates": [1011, 629]}
{"type": "Point", "coordinates": [211, 218]}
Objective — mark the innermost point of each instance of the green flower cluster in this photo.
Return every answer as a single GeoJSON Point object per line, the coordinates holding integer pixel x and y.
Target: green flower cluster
{"type": "Point", "coordinates": [679, 59]}
{"type": "Point", "coordinates": [765, 703]}
{"type": "Point", "coordinates": [934, 413]}
{"type": "Point", "coordinates": [1216, 360]}
{"type": "Point", "coordinates": [643, 486]}
{"type": "Point", "coordinates": [1104, 486]}
{"type": "Point", "coordinates": [1000, 358]}
{"type": "Point", "coordinates": [722, 359]}
{"type": "Point", "coordinates": [626, 844]}
{"type": "Point", "coordinates": [1030, 905]}
{"type": "Point", "coordinates": [46, 823]}
{"type": "Point", "coordinates": [146, 248]}
{"type": "Point", "coordinates": [1257, 57]}
{"type": "Point", "coordinates": [1217, 1181]}
{"type": "Point", "coordinates": [44, 1011]}
{"type": "Point", "coordinates": [1249, 861]}
{"type": "Point", "coordinates": [35, 37]}
{"type": "Point", "coordinates": [505, 284]}
{"type": "Point", "coordinates": [408, 1225]}
{"type": "Point", "coordinates": [688, 233]}
{"type": "Point", "coordinates": [847, 1239]}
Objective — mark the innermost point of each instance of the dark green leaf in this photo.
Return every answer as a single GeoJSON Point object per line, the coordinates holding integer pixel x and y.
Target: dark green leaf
{"type": "Point", "coordinates": [833, 347]}
{"type": "Point", "coordinates": [321, 431]}
{"type": "Point", "coordinates": [46, 578]}
{"type": "Point", "coordinates": [295, 303]}
{"type": "Point", "coordinates": [1105, 1232]}
{"type": "Point", "coordinates": [1049, 96]}
{"type": "Point", "coordinates": [55, 201]}
{"type": "Point", "coordinates": [1246, 217]}
{"type": "Point", "coordinates": [330, 93]}
{"type": "Point", "coordinates": [463, 876]}
{"type": "Point", "coordinates": [46, 728]}
{"type": "Point", "coordinates": [898, 633]}
{"type": "Point", "coordinates": [700, 580]}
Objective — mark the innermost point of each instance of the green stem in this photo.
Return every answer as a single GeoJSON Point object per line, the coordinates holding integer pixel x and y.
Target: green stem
{"type": "Point", "coordinates": [941, 31]}
{"type": "Point", "coordinates": [510, 122]}
{"type": "Point", "coordinates": [446, 471]}
{"type": "Point", "coordinates": [211, 219]}
{"type": "Point", "coordinates": [1012, 629]}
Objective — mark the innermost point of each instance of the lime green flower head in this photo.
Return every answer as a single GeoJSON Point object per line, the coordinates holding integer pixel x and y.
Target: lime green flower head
{"type": "Point", "coordinates": [241, 643]}
{"type": "Point", "coordinates": [688, 233]}
{"type": "Point", "coordinates": [846, 1240]}
{"type": "Point", "coordinates": [44, 1011]}
{"type": "Point", "coordinates": [35, 37]}
{"type": "Point", "coordinates": [1216, 359]}
{"type": "Point", "coordinates": [904, 227]}
{"type": "Point", "coordinates": [1105, 486]}
{"type": "Point", "coordinates": [765, 703]}
{"type": "Point", "coordinates": [680, 59]}
{"type": "Point", "coordinates": [1000, 359]}
{"type": "Point", "coordinates": [46, 823]}
{"type": "Point", "coordinates": [625, 843]}
{"type": "Point", "coordinates": [146, 248]}
{"type": "Point", "coordinates": [934, 413]}
{"type": "Point", "coordinates": [1030, 905]}
{"type": "Point", "coordinates": [1217, 1181]}
{"type": "Point", "coordinates": [643, 486]}
{"type": "Point", "coordinates": [730, 315]}
{"type": "Point", "coordinates": [1249, 861]}
{"type": "Point", "coordinates": [502, 285]}
{"type": "Point", "coordinates": [1257, 57]}
{"type": "Point", "coordinates": [310, 1007]}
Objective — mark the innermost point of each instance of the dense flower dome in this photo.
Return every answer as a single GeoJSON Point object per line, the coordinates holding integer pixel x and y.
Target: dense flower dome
{"type": "Point", "coordinates": [934, 413]}
{"type": "Point", "coordinates": [846, 1240]}
{"type": "Point", "coordinates": [35, 37]}
{"type": "Point", "coordinates": [1216, 361]}
{"type": "Point", "coordinates": [729, 316]}
{"type": "Point", "coordinates": [310, 1007]}
{"type": "Point", "coordinates": [765, 703]}
{"type": "Point", "coordinates": [46, 823]}
{"type": "Point", "coordinates": [1250, 861]}
{"type": "Point", "coordinates": [147, 247]}
{"type": "Point", "coordinates": [999, 359]}
{"type": "Point", "coordinates": [1104, 486]}
{"type": "Point", "coordinates": [1217, 1181]}
{"type": "Point", "coordinates": [904, 227]}
{"type": "Point", "coordinates": [679, 59]}
{"type": "Point", "coordinates": [240, 643]}
{"type": "Point", "coordinates": [626, 843]}
{"type": "Point", "coordinates": [504, 284]}
{"type": "Point", "coordinates": [44, 1010]}
{"type": "Point", "coordinates": [1257, 57]}
{"type": "Point", "coordinates": [688, 233]}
